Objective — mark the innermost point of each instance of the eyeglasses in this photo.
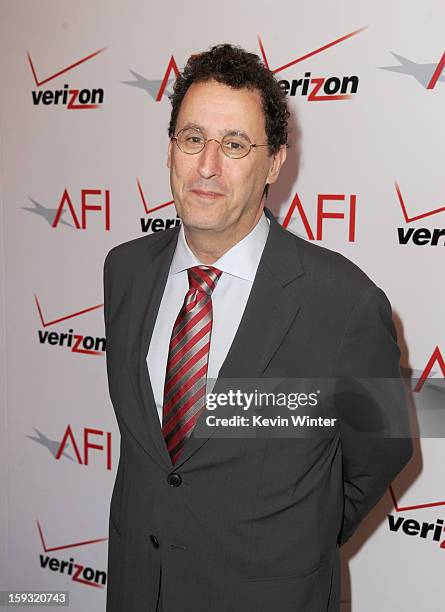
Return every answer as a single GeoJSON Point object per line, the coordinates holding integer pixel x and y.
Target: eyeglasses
{"type": "Point", "coordinates": [235, 145]}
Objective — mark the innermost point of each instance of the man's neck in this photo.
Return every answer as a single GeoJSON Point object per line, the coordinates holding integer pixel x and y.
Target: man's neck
{"type": "Point", "coordinates": [208, 247]}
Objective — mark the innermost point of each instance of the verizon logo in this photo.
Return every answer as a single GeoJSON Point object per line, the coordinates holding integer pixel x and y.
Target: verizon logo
{"type": "Point", "coordinates": [321, 88]}
{"type": "Point", "coordinates": [69, 97]}
{"type": "Point", "coordinates": [76, 343]}
{"type": "Point", "coordinates": [411, 527]}
{"type": "Point", "coordinates": [77, 571]}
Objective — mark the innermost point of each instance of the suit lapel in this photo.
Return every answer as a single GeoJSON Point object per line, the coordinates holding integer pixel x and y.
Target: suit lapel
{"type": "Point", "coordinates": [149, 283]}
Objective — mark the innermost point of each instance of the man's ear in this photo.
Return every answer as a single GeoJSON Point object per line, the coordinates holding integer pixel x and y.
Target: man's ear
{"type": "Point", "coordinates": [169, 154]}
{"type": "Point", "coordinates": [278, 160]}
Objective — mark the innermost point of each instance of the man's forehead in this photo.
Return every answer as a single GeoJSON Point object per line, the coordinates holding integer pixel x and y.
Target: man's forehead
{"type": "Point", "coordinates": [221, 91]}
{"type": "Point", "coordinates": [230, 109]}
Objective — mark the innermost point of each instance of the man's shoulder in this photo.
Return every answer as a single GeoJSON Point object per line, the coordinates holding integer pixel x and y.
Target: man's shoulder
{"type": "Point", "coordinates": [332, 272]}
{"type": "Point", "coordinates": [129, 253]}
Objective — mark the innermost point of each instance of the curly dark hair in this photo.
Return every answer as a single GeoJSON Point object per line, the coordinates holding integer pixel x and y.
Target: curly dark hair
{"type": "Point", "coordinates": [237, 68]}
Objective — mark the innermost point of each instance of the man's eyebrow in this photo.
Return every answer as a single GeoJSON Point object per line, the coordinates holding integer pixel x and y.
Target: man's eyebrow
{"type": "Point", "coordinates": [190, 124]}
{"type": "Point", "coordinates": [236, 133]}
{"type": "Point", "coordinates": [226, 132]}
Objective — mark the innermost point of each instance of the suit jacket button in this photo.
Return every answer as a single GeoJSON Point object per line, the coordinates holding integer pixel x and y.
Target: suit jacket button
{"type": "Point", "coordinates": [155, 542]}
{"type": "Point", "coordinates": [174, 480]}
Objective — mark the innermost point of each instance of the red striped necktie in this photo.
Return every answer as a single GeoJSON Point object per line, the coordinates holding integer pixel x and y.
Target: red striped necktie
{"type": "Point", "coordinates": [188, 354]}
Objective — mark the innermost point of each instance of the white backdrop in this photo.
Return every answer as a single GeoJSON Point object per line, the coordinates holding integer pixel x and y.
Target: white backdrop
{"type": "Point", "coordinates": [59, 440]}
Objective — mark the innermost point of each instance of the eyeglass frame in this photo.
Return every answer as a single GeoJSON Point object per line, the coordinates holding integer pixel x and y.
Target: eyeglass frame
{"type": "Point", "coordinates": [206, 140]}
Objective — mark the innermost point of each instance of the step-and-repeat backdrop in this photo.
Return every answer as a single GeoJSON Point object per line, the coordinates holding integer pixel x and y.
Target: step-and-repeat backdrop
{"type": "Point", "coordinates": [84, 114]}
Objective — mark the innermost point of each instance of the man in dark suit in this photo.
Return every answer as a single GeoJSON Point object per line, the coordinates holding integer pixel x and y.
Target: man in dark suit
{"type": "Point", "coordinates": [201, 521]}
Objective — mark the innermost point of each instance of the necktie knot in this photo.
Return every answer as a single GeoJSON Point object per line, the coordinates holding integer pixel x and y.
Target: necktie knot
{"type": "Point", "coordinates": [203, 278]}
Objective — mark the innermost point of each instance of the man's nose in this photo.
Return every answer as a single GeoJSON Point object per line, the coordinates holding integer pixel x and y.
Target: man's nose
{"type": "Point", "coordinates": [210, 159]}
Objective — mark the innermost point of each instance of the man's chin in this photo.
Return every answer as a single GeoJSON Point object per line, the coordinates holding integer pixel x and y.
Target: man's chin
{"type": "Point", "coordinates": [198, 218]}
{"type": "Point", "coordinates": [199, 224]}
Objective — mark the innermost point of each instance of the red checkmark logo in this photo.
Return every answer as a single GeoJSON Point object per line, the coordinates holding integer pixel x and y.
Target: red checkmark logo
{"type": "Point", "coordinates": [144, 201]}
{"type": "Point", "coordinates": [306, 56]}
{"type": "Point", "coordinates": [409, 219]}
{"type": "Point", "coordinates": [64, 546]}
{"type": "Point", "coordinates": [63, 70]}
{"type": "Point", "coordinates": [65, 317]}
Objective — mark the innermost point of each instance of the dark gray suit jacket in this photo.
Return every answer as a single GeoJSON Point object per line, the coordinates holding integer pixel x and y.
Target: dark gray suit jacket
{"type": "Point", "coordinates": [247, 525]}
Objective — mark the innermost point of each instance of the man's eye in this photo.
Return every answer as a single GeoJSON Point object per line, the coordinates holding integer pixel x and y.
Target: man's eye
{"type": "Point", "coordinates": [235, 145]}
{"type": "Point", "coordinates": [194, 139]}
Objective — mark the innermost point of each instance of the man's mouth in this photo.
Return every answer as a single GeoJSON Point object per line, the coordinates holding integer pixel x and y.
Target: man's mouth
{"type": "Point", "coordinates": [207, 194]}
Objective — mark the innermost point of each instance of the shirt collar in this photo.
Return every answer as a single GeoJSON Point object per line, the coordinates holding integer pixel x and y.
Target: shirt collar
{"type": "Point", "coordinates": [241, 260]}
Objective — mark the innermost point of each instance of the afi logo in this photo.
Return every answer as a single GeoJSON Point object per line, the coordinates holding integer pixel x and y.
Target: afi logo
{"type": "Point", "coordinates": [347, 214]}
{"type": "Point", "coordinates": [84, 443]}
{"type": "Point", "coordinates": [88, 200]}
{"type": "Point", "coordinates": [102, 204]}
{"type": "Point", "coordinates": [157, 88]}
{"type": "Point", "coordinates": [435, 359]}
{"type": "Point", "coordinates": [427, 75]}
{"type": "Point", "coordinates": [70, 98]}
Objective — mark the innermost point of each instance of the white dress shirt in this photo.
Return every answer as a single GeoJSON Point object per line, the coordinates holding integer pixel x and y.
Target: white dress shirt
{"type": "Point", "coordinates": [229, 298]}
